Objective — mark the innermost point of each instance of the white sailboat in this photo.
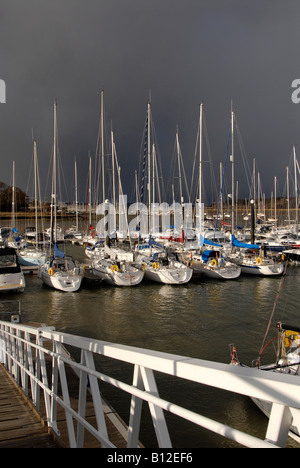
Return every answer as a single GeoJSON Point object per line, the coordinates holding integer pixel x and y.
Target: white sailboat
{"type": "Point", "coordinates": [32, 255]}
{"type": "Point", "coordinates": [250, 260]}
{"type": "Point", "coordinates": [164, 267]}
{"type": "Point", "coordinates": [213, 264]}
{"type": "Point", "coordinates": [59, 271]}
{"type": "Point", "coordinates": [115, 267]}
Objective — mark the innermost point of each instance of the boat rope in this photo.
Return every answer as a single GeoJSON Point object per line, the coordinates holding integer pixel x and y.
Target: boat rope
{"type": "Point", "coordinates": [273, 311]}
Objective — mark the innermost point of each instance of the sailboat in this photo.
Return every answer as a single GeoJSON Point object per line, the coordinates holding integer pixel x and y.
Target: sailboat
{"type": "Point", "coordinates": [250, 260]}
{"type": "Point", "coordinates": [287, 362]}
{"type": "Point", "coordinates": [213, 264]}
{"type": "Point", "coordinates": [59, 271]}
{"type": "Point", "coordinates": [31, 255]}
{"type": "Point", "coordinates": [115, 267]}
{"type": "Point", "coordinates": [164, 266]}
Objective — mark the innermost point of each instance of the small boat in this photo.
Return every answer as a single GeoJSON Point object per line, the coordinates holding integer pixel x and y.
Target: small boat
{"type": "Point", "coordinates": [165, 267]}
{"type": "Point", "coordinates": [11, 275]}
{"type": "Point", "coordinates": [116, 267]}
{"type": "Point", "coordinates": [255, 264]}
{"type": "Point", "coordinates": [61, 272]}
{"type": "Point", "coordinates": [213, 264]}
{"type": "Point", "coordinates": [252, 260]}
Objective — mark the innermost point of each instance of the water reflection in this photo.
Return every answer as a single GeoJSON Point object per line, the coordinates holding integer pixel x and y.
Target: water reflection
{"type": "Point", "coordinates": [199, 319]}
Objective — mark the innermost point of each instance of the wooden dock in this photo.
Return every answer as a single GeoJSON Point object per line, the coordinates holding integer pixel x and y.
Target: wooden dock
{"type": "Point", "coordinates": [22, 426]}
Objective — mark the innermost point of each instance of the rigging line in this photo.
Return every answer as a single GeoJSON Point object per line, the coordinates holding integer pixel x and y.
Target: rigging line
{"type": "Point", "coordinates": [274, 307]}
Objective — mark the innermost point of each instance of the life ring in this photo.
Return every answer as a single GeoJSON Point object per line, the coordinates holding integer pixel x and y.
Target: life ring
{"type": "Point", "coordinates": [51, 271]}
{"type": "Point", "coordinates": [114, 268]}
{"type": "Point", "coordinates": [156, 265]}
{"type": "Point", "coordinates": [214, 262]}
{"type": "Point", "coordinates": [258, 260]}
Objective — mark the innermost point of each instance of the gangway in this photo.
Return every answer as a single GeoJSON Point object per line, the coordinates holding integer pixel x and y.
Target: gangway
{"type": "Point", "coordinates": [36, 357]}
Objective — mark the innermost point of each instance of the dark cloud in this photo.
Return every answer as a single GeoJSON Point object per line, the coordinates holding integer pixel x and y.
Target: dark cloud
{"type": "Point", "coordinates": [183, 52]}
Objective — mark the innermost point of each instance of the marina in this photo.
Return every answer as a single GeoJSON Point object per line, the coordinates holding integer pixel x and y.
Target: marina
{"type": "Point", "coordinates": [199, 319]}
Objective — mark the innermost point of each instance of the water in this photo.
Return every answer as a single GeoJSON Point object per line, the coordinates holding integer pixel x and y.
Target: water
{"type": "Point", "coordinates": [199, 319]}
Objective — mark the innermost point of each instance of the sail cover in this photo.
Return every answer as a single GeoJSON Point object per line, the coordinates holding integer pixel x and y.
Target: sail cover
{"type": "Point", "coordinates": [203, 240]}
{"type": "Point", "coordinates": [237, 243]}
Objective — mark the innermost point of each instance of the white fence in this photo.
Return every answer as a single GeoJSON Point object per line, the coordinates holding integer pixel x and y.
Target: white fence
{"type": "Point", "coordinates": [23, 353]}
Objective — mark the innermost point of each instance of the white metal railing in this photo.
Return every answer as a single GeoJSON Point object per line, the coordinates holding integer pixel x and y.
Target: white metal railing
{"type": "Point", "coordinates": [23, 353]}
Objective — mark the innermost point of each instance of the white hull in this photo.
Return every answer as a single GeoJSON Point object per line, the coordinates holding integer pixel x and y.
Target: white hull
{"type": "Point", "coordinates": [61, 281]}
{"type": "Point", "coordinates": [224, 273]}
{"type": "Point", "coordinates": [179, 274]}
{"type": "Point", "coordinates": [110, 273]}
{"type": "Point", "coordinates": [31, 258]}
{"type": "Point", "coordinates": [12, 282]}
{"type": "Point", "coordinates": [262, 270]}
{"type": "Point", "coordinates": [59, 275]}
{"type": "Point", "coordinates": [216, 269]}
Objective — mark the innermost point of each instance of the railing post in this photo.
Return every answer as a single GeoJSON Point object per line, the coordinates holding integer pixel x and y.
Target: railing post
{"type": "Point", "coordinates": [279, 425]}
{"type": "Point", "coordinates": [135, 410]}
{"type": "Point", "coordinates": [44, 377]}
{"type": "Point", "coordinates": [157, 413]}
{"type": "Point", "coordinates": [65, 394]}
{"type": "Point", "coordinates": [87, 359]}
{"type": "Point", "coordinates": [54, 387]}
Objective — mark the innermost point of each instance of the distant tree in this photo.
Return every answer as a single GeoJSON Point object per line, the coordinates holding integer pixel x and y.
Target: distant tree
{"type": "Point", "coordinates": [6, 200]}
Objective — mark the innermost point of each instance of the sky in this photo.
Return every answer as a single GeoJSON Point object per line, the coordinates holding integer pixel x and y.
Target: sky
{"type": "Point", "coordinates": [226, 54]}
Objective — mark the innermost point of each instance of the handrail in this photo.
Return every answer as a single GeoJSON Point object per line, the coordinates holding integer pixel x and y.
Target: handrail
{"type": "Point", "coordinates": [24, 354]}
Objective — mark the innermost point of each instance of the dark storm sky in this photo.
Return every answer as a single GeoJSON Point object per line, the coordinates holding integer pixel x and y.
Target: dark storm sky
{"type": "Point", "coordinates": [219, 52]}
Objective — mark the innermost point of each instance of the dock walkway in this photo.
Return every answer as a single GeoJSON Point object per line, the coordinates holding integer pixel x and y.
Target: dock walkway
{"type": "Point", "coordinates": [20, 425]}
{"type": "Point", "coordinates": [23, 426]}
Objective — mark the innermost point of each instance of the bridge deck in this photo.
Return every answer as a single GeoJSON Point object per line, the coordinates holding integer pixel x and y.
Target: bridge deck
{"type": "Point", "coordinates": [22, 426]}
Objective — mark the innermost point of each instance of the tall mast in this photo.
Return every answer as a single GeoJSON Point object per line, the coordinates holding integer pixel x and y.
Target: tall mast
{"type": "Point", "coordinates": [296, 190]}
{"type": "Point", "coordinates": [54, 170]}
{"type": "Point", "coordinates": [149, 157]}
{"type": "Point", "coordinates": [13, 198]}
{"type": "Point", "coordinates": [102, 145]}
{"type": "Point", "coordinates": [35, 193]}
{"type": "Point", "coordinates": [275, 200]}
{"type": "Point", "coordinates": [232, 173]}
{"type": "Point", "coordinates": [179, 168]}
{"type": "Point", "coordinates": [288, 194]}
{"type": "Point", "coordinates": [200, 152]}
{"type": "Point", "coordinates": [76, 196]}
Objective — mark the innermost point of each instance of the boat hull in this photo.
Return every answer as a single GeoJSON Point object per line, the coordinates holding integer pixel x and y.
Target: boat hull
{"type": "Point", "coordinates": [169, 275]}
{"type": "Point", "coordinates": [130, 276]}
{"type": "Point", "coordinates": [262, 270]}
{"type": "Point", "coordinates": [12, 282]}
